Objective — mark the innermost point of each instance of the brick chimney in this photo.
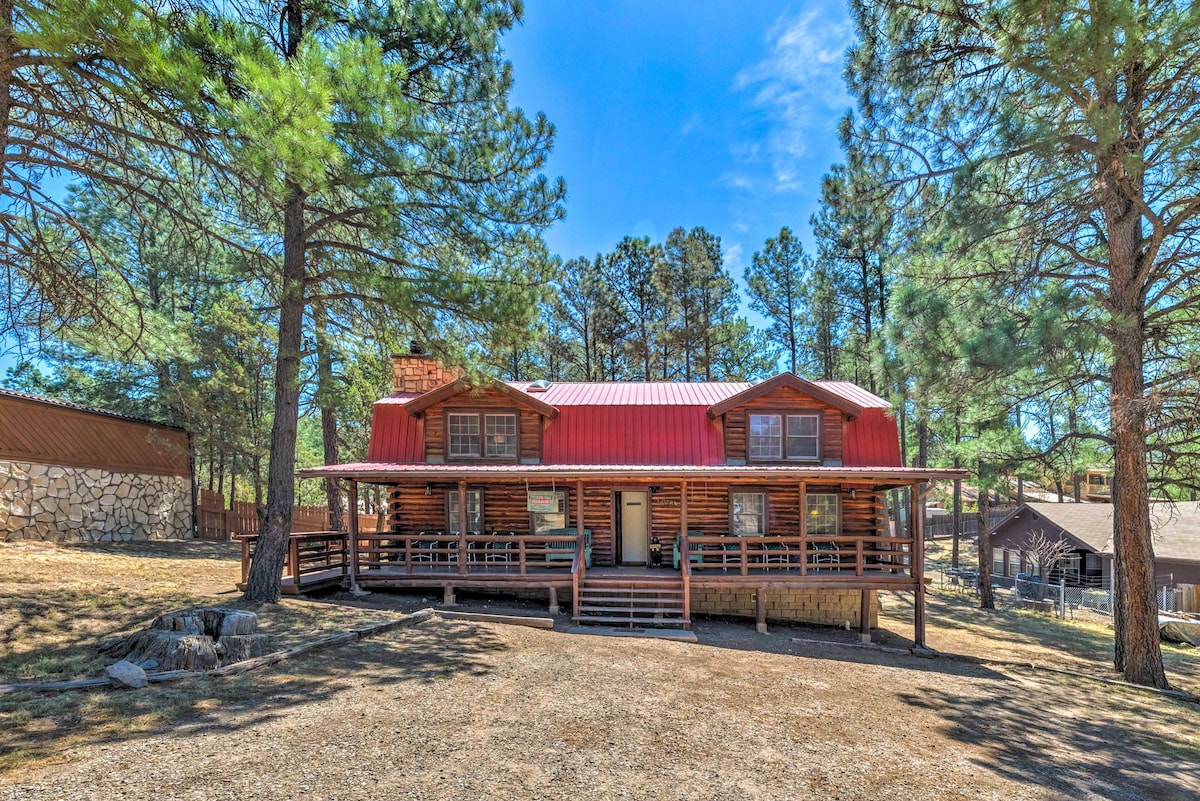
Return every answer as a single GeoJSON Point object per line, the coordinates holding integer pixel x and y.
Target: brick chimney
{"type": "Point", "coordinates": [415, 372]}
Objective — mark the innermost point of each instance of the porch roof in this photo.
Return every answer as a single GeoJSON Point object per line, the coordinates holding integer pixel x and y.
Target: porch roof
{"type": "Point", "coordinates": [380, 471]}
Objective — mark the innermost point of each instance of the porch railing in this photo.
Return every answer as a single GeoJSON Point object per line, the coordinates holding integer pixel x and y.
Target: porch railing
{"type": "Point", "coordinates": [516, 554]}
{"type": "Point", "coordinates": [308, 554]}
{"type": "Point", "coordinates": [844, 555]}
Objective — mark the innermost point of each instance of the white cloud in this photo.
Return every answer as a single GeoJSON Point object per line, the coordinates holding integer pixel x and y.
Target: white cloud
{"type": "Point", "coordinates": [733, 253]}
{"type": "Point", "coordinates": [799, 84]}
{"type": "Point", "coordinates": [691, 123]}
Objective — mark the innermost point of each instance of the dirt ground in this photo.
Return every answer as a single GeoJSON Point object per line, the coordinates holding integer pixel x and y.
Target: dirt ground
{"type": "Point", "coordinates": [452, 709]}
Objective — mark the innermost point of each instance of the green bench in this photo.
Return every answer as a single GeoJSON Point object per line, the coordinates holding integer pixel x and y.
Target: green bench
{"type": "Point", "coordinates": [695, 549]}
{"type": "Point", "coordinates": [562, 547]}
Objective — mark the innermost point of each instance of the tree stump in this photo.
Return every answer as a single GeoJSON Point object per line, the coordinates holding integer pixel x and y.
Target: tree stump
{"type": "Point", "coordinates": [193, 639]}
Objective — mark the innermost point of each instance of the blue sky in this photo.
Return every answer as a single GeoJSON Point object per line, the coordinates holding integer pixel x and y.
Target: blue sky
{"type": "Point", "coordinates": [673, 113]}
{"type": "Point", "coordinates": [684, 113]}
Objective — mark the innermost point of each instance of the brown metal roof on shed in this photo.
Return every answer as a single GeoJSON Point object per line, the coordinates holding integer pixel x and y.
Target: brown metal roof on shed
{"type": "Point", "coordinates": [47, 431]}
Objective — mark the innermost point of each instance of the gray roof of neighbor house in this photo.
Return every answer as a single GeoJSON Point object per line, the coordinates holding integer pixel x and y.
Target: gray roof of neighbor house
{"type": "Point", "coordinates": [1176, 526]}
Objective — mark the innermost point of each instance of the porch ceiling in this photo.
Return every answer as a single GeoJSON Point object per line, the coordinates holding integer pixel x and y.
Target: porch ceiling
{"type": "Point", "coordinates": [387, 473]}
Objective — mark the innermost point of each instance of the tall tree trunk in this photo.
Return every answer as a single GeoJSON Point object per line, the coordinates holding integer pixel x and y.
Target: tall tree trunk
{"type": "Point", "coordinates": [325, 394]}
{"type": "Point", "coordinates": [957, 495]}
{"type": "Point", "coordinates": [1137, 653]}
{"type": "Point", "coordinates": [986, 599]}
{"type": "Point", "coordinates": [266, 570]}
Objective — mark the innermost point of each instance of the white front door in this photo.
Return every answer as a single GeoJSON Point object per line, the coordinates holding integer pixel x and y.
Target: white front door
{"type": "Point", "coordinates": [635, 513]}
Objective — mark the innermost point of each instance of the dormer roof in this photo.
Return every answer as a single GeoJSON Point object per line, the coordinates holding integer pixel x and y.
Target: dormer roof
{"type": "Point", "coordinates": [831, 396]}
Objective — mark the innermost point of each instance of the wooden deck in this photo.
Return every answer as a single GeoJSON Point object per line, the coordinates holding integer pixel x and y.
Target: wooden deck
{"type": "Point", "coordinates": [321, 560]}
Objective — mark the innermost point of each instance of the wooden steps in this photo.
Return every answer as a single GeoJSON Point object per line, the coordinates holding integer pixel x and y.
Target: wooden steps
{"type": "Point", "coordinates": [634, 602]}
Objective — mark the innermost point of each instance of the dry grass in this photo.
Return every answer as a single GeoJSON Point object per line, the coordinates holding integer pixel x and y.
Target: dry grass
{"type": "Point", "coordinates": [474, 710]}
{"type": "Point", "coordinates": [1084, 642]}
{"type": "Point", "coordinates": [59, 602]}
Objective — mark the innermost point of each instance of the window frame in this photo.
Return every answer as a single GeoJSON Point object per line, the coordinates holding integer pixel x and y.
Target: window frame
{"type": "Point", "coordinates": [452, 515]}
{"type": "Point", "coordinates": [765, 514]}
{"type": "Point", "coordinates": [784, 416]}
{"type": "Point", "coordinates": [565, 500]}
{"type": "Point", "coordinates": [999, 560]}
{"type": "Point", "coordinates": [481, 416]}
{"type": "Point", "coordinates": [837, 513]}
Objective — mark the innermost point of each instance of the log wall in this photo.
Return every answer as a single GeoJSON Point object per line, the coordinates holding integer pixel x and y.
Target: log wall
{"type": "Point", "coordinates": [784, 400]}
{"type": "Point", "coordinates": [504, 509]}
{"type": "Point", "coordinates": [529, 425]}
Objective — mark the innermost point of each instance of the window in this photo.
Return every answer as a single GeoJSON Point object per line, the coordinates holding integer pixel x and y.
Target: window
{"type": "Point", "coordinates": [802, 436]}
{"type": "Point", "coordinates": [822, 513]}
{"type": "Point", "coordinates": [474, 512]}
{"type": "Point", "coordinates": [542, 522]}
{"type": "Point", "coordinates": [792, 436]}
{"type": "Point", "coordinates": [766, 436]}
{"type": "Point", "coordinates": [500, 435]}
{"type": "Point", "coordinates": [997, 561]}
{"type": "Point", "coordinates": [464, 434]}
{"type": "Point", "coordinates": [1014, 563]}
{"type": "Point", "coordinates": [481, 434]}
{"type": "Point", "coordinates": [748, 513]}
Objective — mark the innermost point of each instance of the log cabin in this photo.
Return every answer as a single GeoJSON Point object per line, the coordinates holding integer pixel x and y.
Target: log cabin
{"type": "Point", "coordinates": [646, 502]}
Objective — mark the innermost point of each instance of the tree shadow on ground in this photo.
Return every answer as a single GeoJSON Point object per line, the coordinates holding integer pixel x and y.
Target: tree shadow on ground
{"type": "Point", "coordinates": [1080, 647]}
{"type": "Point", "coordinates": [219, 550]}
{"type": "Point", "coordinates": [1106, 744]}
{"type": "Point", "coordinates": [40, 726]}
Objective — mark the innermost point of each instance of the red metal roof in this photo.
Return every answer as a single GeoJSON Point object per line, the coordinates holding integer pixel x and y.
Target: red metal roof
{"type": "Point", "coordinates": [871, 440]}
{"type": "Point", "coordinates": [385, 470]}
{"type": "Point", "coordinates": [672, 393]}
{"type": "Point", "coordinates": [635, 393]}
{"type": "Point", "coordinates": [396, 436]}
{"type": "Point", "coordinates": [652, 434]}
{"type": "Point", "coordinates": [652, 423]}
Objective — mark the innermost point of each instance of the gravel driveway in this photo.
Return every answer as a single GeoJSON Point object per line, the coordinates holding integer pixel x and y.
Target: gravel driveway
{"type": "Point", "coordinates": [455, 710]}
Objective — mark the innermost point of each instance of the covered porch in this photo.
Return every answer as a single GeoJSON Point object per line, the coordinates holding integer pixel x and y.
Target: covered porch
{"type": "Point", "coordinates": [754, 529]}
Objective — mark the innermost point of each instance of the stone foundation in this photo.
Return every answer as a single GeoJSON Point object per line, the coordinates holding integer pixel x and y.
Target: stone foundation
{"type": "Point", "coordinates": [73, 504]}
{"type": "Point", "coordinates": [823, 607]}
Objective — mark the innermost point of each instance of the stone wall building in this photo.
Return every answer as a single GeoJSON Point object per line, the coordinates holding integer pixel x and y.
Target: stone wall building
{"type": "Point", "coordinates": [72, 473]}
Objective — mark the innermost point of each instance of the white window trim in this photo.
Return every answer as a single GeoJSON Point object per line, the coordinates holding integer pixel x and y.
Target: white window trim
{"type": "Point", "coordinates": [452, 511]}
{"type": "Point", "coordinates": [762, 516]}
{"type": "Point", "coordinates": [837, 512]}
{"type": "Point", "coordinates": [450, 435]}
{"type": "Point", "coordinates": [516, 435]}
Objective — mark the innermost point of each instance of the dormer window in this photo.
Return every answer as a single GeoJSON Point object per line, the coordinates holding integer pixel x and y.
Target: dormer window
{"type": "Point", "coordinates": [486, 435]}
{"type": "Point", "coordinates": [500, 435]}
{"type": "Point", "coordinates": [779, 437]}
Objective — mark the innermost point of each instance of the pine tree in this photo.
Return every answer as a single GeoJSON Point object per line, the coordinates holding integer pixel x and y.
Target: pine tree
{"type": "Point", "coordinates": [778, 279]}
{"type": "Point", "coordinates": [1081, 121]}
{"type": "Point", "coordinates": [394, 173]}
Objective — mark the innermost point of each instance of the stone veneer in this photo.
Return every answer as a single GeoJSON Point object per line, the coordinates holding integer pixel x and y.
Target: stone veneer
{"type": "Point", "coordinates": [75, 504]}
{"type": "Point", "coordinates": [823, 607]}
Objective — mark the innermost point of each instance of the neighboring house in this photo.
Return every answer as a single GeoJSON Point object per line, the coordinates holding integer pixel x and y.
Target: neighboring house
{"type": "Point", "coordinates": [762, 499]}
{"type": "Point", "coordinates": [1088, 528]}
{"type": "Point", "coordinates": [73, 473]}
{"type": "Point", "coordinates": [1099, 485]}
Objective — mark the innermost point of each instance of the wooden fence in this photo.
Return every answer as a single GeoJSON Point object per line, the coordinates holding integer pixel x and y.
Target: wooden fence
{"type": "Point", "coordinates": [943, 525]}
{"type": "Point", "coordinates": [216, 520]}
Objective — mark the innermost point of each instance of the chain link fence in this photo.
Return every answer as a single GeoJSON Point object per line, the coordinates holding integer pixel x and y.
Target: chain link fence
{"type": "Point", "coordinates": [1064, 597]}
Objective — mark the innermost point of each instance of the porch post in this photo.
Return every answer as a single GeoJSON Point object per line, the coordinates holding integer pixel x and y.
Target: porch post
{"type": "Point", "coordinates": [684, 552]}
{"type": "Point", "coordinates": [864, 617]}
{"type": "Point", "coordinates": [352, 544]}
{"type": "Point", "coordinates": [580, 539]}
{"type": "Point", "coordinates": [917, 527]}
{"type": "Point", "coordinates": [462, 528]}
{"type": "Point", "coordinates": [803, 528]}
